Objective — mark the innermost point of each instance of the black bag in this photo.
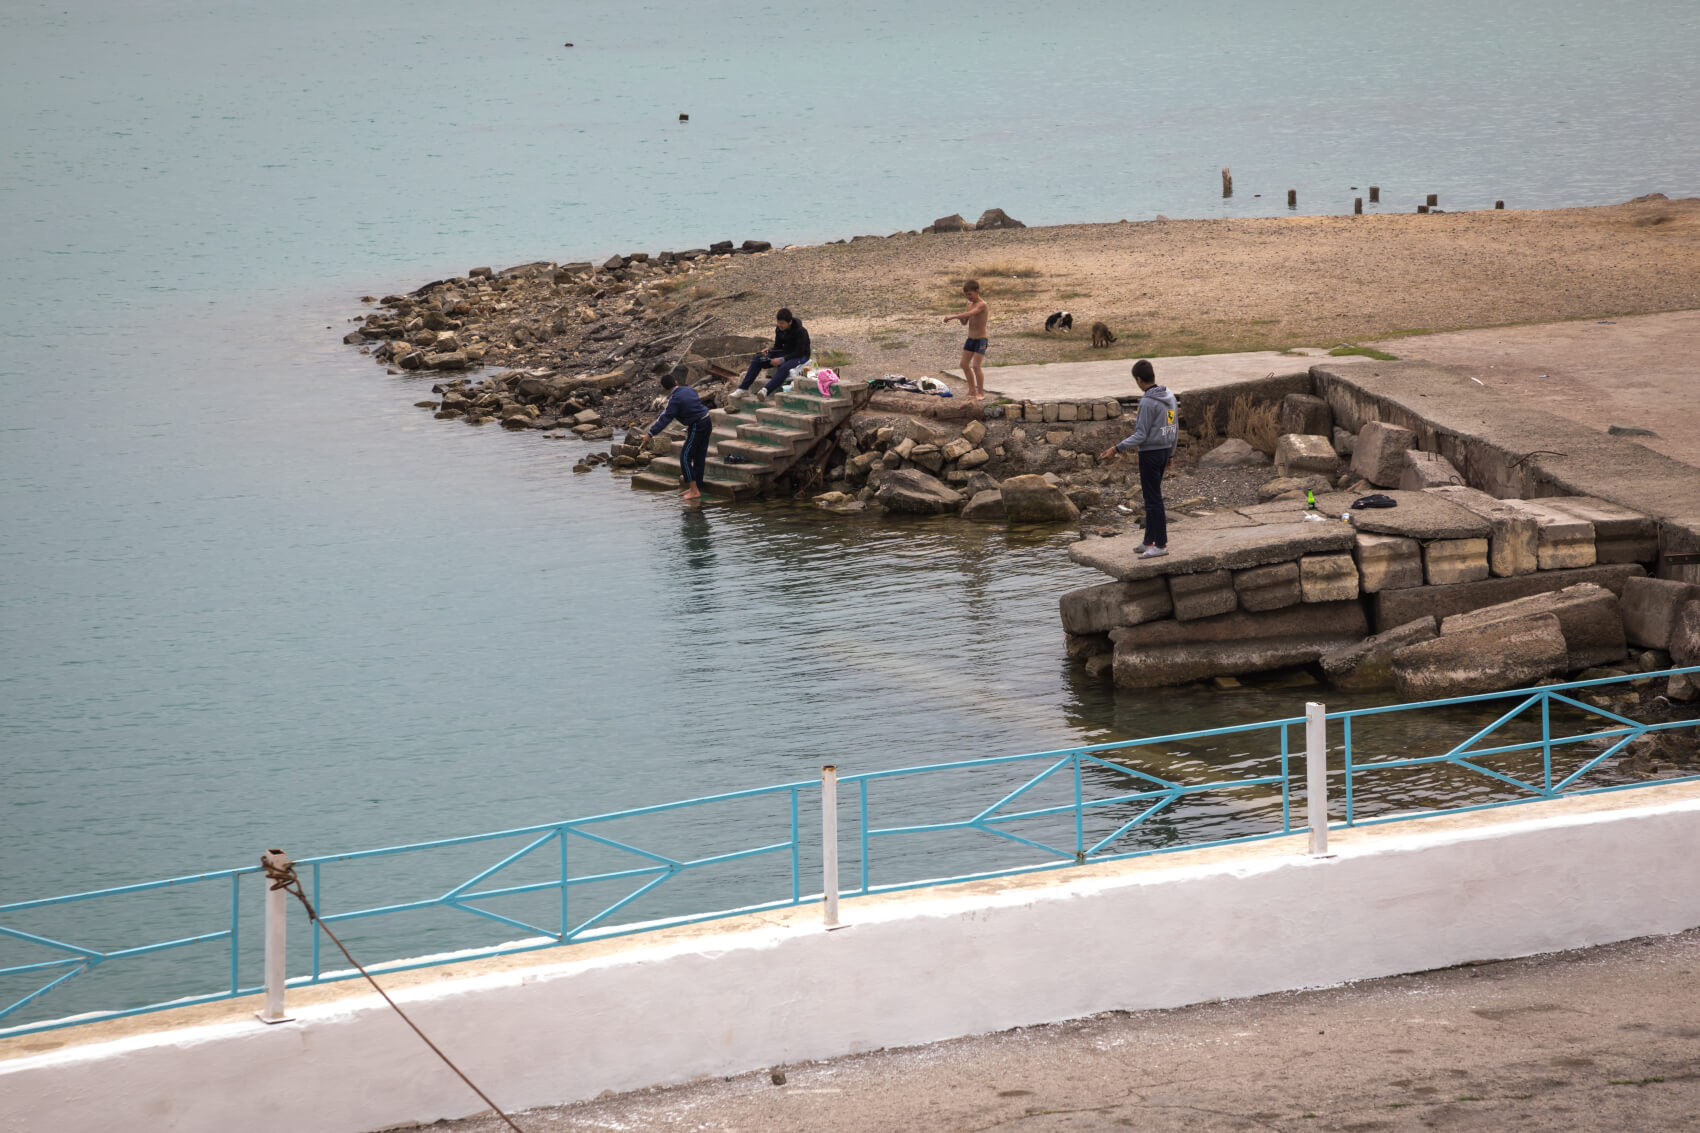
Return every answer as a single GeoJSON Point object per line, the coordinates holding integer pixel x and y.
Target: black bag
{"type": "Point", "coordinates": [1377, 500]}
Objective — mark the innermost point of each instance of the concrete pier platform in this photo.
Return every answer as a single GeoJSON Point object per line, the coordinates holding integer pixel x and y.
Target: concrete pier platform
{"type": "Point", "coordinates": [1113, 377]}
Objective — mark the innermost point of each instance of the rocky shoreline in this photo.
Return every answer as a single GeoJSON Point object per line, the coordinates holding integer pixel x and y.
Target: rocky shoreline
{"type": "Point", "coordinates": [578, 350]}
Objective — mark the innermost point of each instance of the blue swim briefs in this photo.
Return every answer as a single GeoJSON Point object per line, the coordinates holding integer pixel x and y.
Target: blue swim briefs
{"type": "Point", "coordinates": [976, 345]}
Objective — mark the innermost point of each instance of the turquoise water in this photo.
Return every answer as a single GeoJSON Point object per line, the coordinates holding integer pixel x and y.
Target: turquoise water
{"type": "Point", "coordinates": [250, 597]}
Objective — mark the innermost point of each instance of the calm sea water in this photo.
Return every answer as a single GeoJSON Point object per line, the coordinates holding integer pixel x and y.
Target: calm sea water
{"type": "Point", "coordinates": [249, 597]}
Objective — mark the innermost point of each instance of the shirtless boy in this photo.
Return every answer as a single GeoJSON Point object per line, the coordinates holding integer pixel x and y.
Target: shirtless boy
{"type": "Point", "coordinates": [974, 350]}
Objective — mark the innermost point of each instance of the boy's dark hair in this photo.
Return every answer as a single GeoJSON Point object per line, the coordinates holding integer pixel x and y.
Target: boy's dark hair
{"type": "Point", "coordinates": [668, 381]}
{"type": "Point", "coordinates": [1142, 372]}
{"type": "Point", "coordinates": [784, 315]}
{"type": "Point", "coordinates": [970, 285]}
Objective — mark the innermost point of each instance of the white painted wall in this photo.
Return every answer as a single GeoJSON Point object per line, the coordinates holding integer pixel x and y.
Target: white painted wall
{"type": "Point", "coordinates": [905, 972]}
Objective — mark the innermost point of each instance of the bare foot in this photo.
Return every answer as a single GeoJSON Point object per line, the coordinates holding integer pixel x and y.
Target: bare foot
{"type": "Point", "coordinates": [690, 495]}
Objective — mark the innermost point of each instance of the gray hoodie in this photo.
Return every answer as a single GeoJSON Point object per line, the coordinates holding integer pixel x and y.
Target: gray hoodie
{"type": "Point", "coordinates": [1155, 427]}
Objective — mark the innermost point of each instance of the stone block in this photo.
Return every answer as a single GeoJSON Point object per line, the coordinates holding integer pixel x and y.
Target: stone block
{"type": "Point", "coordinates": [1300, 455]}
{"type": "Point", "coordinates": [986, 506]}
{"type": "Point", "coordinates": [1650, 606]}
{"type": "Point", "coordinates": [1328, 577]}
{"type": "Point", "coordinates": [1388, 562]}
{"type": "Point", "coordinates": [1427, 470]}
{"type": "Point", "coordinates": [1209, 548]}
{"type": "Point", "coordinates": [1447, 562]}
{"type": "Point", "coordinates": [1620, 535]}
{"type": "Point", "coordinates": [1113, 408]}
{"type": "Point", "coordinates": [1232, 453]}
{"type": "Point", "coordinates": [1488, 659]}
{"type": "Point", "coordinates": [1379, 455]}
{"type": "Point", "coordinates": [1685, 636]}
{"type": "Point", "coordinates": [1368, 664]}
{"type": "Point", "coordinates": [1268, 587]}
{"type": "Point", "coordinates": [1203, 595]}
{"type": "Point", "coordinates": [1174, 652]}
{"type": "Point", "coordinates": [1588, 615]}
{"type": "Point", "coordinates": [1034, 499]}
{"type": "Point", "coordinates": [1396, 607]}
{"type": "Point", "coordinates": [1304, 414]}
{"type": "Point", "coordinates": [1344, 441]}
{"type": "Point", "coordinates": [1066, 411]}
{"type": "Point", "coordinates": [1563, 541]}
{"type": "Point", "coordinates": [1514, 537]}
{"type": "Point", "coordinates": [1111, 605]}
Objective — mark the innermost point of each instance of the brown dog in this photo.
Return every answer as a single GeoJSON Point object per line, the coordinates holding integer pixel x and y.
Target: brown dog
{"type": "Point", "coordinates": [1101, 336]}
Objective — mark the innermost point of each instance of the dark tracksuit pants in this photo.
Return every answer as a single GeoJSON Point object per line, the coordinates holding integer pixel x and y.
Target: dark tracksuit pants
{"type": "Point", "coordinates": [1152, 462]}
{"type": "Point", "coordinates": [694, 452]}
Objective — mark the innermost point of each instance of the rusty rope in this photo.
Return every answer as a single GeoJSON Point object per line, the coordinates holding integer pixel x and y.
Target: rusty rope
{"type": "Point", "coordinates": [284, 877]}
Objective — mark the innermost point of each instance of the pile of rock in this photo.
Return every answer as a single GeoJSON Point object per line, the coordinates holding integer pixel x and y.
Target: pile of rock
{"type": "Point", "coordinates": [909, 467]}
{"type": "Point", "coordinates": [531, 399]}
{"type": "Point", "coordinates": [1453, 584]}
{"type": "Point", "coordinates": [990, 219]}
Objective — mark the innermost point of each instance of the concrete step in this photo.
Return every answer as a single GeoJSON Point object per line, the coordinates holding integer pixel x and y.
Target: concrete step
{"type": "Point", "coordinates": [755, 451]}
{"type": "Point", "coordinates": [778, 436]}
{"type": "Point", "coordinates": [808, 423]}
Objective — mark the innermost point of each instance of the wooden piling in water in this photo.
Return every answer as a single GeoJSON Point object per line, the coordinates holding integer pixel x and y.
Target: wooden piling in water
{"type": "Point", "coordinates": [1227, 182]}
{"type": "Point", "coordinates": [1422, 208]}
{"type": "Point", "coordinates": [1433, 199]}
{"type": "Point", "coordinates": [1357, 206]}
{"type": "Point", "coordinates": [1499, 204]}
{"type": "Point", "coordinates": [1292, 198]}
{"type": "Point", "coordinates": [1375, 194]}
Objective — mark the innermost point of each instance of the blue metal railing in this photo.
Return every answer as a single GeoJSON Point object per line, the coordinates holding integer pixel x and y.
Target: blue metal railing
{"type": "Point", "coordinates": [590, 878]}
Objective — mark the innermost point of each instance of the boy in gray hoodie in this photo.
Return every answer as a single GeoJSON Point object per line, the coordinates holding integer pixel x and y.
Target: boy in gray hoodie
{"type": "Point", "coordinates": [1154, 433]}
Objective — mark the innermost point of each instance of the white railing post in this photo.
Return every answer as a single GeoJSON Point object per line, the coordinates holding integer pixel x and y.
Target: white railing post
{"type": "Point", "coordinates": [277, 911]}
{"type": "Point", "coordinates": [829, 841]}
{"type": "Point", "coordinates": [1316, 777]}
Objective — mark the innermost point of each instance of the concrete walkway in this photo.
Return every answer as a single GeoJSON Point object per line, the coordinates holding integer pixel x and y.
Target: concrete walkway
{"type": "Point", "coordinates": [1064, 381]}
{"type": "Point", "coordinates": [1606, 1038]}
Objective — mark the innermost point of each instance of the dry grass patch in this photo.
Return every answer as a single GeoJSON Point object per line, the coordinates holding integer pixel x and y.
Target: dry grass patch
{"type": "Point", "coordinates": [1253, 423]}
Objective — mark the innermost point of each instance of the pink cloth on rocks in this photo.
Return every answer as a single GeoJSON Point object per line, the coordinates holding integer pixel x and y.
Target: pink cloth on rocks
{"type": "Point", "coordinates": [825, 379]}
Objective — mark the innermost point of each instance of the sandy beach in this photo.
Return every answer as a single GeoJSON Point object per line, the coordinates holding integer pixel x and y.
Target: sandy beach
{"type": "Point", "coordinates": [1171, 287]}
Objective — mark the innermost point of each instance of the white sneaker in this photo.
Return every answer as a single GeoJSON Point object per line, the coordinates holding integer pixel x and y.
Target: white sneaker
{"type": "Point", "coordinates": [1152, 552]}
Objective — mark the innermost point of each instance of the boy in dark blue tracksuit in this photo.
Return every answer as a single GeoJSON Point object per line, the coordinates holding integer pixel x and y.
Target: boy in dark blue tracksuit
{"type": "Point", "coordinates": [1154, 433]}
{"type": "Point", "coordinates": [684, 405]}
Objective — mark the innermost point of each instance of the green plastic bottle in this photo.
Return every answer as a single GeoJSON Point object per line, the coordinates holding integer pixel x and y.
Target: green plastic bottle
{"type": "Point", "coordinates": [1310, 499]}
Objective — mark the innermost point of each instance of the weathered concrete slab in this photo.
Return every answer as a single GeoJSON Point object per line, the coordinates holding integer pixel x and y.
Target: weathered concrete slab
{"type": "Point", "coordinates": [1564, 541]}
{"type": "Point", "coordinates": [1304, 414]}
{"type": "Point", "coordinates": [1368, 664]}
{"type": "Point", "coordinates": [1388, 562]}
{"type": "Point", "coordinates": [1588, 615]}
{"type": "Point", "coordinates": [1396, 607]}
{"type": "Point", "coordinates": [1173, 652]}
{"type": "Point", "coordinates": [1620, 535]}
{"type": "Point", "coordinates": [1300, 455]}
{"type": "Point", "coordinates": [1099, 609]}
{"type": "Point", "coordinates": [1345, 619]}
{"type": "Point", "coordinates": [1202, 595]}
{"type": "Point", "coordinates": [1268, 587]}
{"type": "Point", "coordinates": [1488, 659]}
{"type": "Point", "coordinates": [1379, 455]}
{"type": "Point", "coordinates": [1513, 447]}
{"type": "Point", "coordinates": [1331, 577]}
{"type": "Point", "coordinates": [1427, 470]}
{"type": "Point", "coordinates": [1685, 636]}
{"type": "Point", "coordinates": [1417, 515]}
{"type": "Point", "coordinates": [1194, 549]}
{"type": "Point", "coordinates": [1650, 607]}
{"type": "Point", "coordinates": [1514, 541]}
{"type": "Point", "coordinates": [1447, 562]}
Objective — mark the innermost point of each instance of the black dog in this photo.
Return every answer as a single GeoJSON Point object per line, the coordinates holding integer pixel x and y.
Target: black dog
{"type": "Point", "coordinates": [1062, 320]}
